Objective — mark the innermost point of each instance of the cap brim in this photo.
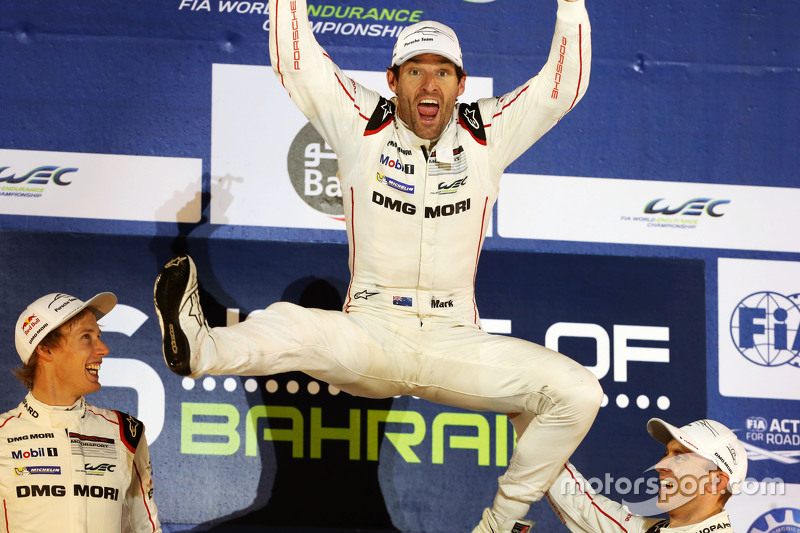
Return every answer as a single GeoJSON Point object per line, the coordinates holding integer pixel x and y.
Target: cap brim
{"type": "Point", "coordinates": [100, 304]}
{"type": "Point", "coordinates": [663, 431]}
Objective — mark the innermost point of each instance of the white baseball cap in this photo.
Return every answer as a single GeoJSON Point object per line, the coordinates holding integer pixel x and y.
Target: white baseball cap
{"type": "Point", "coordinates": [708, 438]}
{"type": "Point", "coordinates": [427, 37]}
{"type": "Point", "coordinates": [50, 311]}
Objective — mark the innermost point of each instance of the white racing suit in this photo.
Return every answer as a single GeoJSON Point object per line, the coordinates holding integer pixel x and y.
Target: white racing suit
{"type": "Point", "coordinates": [416, 216]}
{"type": "Point", "coordinates": [583, 511]}
{"type": "Point", "coordinates": [76, 469]}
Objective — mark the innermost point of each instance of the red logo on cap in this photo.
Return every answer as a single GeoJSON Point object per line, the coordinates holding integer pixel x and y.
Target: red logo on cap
{"type": "Point", "coordinates": [690, 443]}
{"type": "Point", "coordinates": [31, 321]}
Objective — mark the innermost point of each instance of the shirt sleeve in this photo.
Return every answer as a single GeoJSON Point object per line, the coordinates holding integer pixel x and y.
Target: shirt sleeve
{"type": "Point", "coordinates": [338, 107]}
{"type": "Point", "coordinates": [582, 511]}
{"type": "Point", "coordinates": [519, 118]}
{"type": "Point", "coordinates": [140, 514]}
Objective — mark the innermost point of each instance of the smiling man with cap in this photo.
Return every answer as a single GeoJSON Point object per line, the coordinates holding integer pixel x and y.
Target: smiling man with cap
{"type": "Point", "coordinates": [419, 174]}
{"type": "Point", "coordinates": [704, 464]}
{"type": "Point", "coordinates": [54, 445]}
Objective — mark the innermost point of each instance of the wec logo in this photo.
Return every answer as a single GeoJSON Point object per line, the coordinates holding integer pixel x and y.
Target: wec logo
{"type": "Point", "coordinates": [448, 188]}
{"type": "Point", "coordinates": [765, 328]}
{"type": "Point", "coordinates": [99, 470]}
{"type": "Point", "coordinates": [38, 176]}
{"type": "Point", "coordinates": [693, 207]}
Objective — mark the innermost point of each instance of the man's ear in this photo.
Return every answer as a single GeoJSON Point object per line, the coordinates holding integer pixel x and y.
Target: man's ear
{"type": "Point", "coordinates": [44, 353]}
{"type": "Point", "coordinates": [724, 480]}
{"type": "Point", "coordinates": [462, 84]}
{"type": "Point", "coordinates": [719, 482]}
{"type": "Point", "coordinates": [391, 79]}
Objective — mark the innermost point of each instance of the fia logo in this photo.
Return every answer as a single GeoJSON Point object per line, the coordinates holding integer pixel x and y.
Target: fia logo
{"type": "Point", "coordinates": [764, 328]}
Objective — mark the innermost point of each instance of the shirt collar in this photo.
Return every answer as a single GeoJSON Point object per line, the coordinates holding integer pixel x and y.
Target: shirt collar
{"type": "Point", "coordinates": [720, 520]}
{"type": "Point", "coordinates": [56, 416]}
{"type": "Point", "coordinates": [443, 144]}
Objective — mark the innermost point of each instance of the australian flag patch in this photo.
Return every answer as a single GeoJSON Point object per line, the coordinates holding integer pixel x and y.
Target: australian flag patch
{"type": "Point", "coordinates": [405, 301]}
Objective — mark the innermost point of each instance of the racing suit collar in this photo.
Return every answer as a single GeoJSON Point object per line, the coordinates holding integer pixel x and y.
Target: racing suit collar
{"type": "Point", "coordinates": [720, 522]}
{"type": "Point", "coordinates": [443, 143]}
{"type": "Point", "coordinates": [55, 416]}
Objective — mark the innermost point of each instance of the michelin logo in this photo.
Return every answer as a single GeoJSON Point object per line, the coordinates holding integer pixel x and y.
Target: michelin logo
{"type": "Point", "coordinates": [394, 184]}
{"type": "Point", "coordinates": [34, 470]}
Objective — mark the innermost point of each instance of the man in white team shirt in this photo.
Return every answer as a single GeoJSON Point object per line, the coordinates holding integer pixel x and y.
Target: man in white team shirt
{"type": "Point", "coordinates": [704, 464]}
{"type": "Point", "coordinates": [419, 175]}
{"type": "Point", "coordinates": [68, 466]}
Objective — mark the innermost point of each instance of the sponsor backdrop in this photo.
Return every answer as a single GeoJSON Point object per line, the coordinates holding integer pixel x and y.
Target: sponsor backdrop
{"type": "Point", "coordinates": [650, 235]}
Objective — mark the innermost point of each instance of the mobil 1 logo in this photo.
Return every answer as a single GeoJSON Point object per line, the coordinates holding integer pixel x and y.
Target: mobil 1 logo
{"type": "Point", "coordinates": [313, 171]}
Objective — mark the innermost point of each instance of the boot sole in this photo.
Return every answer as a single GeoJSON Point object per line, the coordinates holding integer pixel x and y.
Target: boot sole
{"type": "Point", "coordinates": [172, 281]}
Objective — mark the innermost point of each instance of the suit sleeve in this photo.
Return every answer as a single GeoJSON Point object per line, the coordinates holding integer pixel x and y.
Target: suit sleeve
{"type": "Point", "coordinates": [140, 514]}
{"type": "Point", "coordinates": [518, 119]}
{"type": "Point", "coordinates": [582, 511]}
{"type": "Point", "coordinates": [337, 106]}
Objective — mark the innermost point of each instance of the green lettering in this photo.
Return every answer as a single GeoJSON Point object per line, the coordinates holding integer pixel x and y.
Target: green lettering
{"type": "Point", "coordinates": [351, 434]}
{"type": "Point", "coordinates": [313, 11]}
{"type": "Point", "coordinates": [327, 11]}
{"type": "Point", "coordinates": [479, 442]}
{"type": "Point", "coordinates": [501, 440]}
{"type": "Point", "coordinates": [415, 16]}
{"type": "Point", "coordinates": [225, 429]}
{"type": "Point", "coordinates": [403, 442]}
{"type": "Point", "coordinates": [293, 434]}
{"type": "Point", "coordinates": [371, 14]}
{"type": "Point", "coordinates": [355, 12]}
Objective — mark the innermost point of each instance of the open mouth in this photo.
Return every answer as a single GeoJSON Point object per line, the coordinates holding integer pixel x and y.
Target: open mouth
{"type": "Point", "coordinates": [428, 108]}
{"type": "Point", "coordinates": [668, 486]}
{"type": "Point", "coordinates": [93, 368]}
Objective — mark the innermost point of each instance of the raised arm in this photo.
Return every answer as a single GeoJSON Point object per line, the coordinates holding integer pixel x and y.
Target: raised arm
{"type": "Point", "coordinates": [521, 117]}
{"type": "Point", "coordinates": [335, 105]}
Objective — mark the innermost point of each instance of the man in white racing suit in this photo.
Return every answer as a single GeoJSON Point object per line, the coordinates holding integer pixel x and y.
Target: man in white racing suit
{"type": "Point", "coordinates": [420, 175]}
{"type": "Point", "coordinates": [703, 466]}
{"type": "Point", "coordinates": [65, 465]}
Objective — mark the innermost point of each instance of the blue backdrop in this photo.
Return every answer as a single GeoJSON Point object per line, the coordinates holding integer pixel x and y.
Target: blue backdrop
{"type": "Point", "coordinates": [692, 102]}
